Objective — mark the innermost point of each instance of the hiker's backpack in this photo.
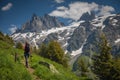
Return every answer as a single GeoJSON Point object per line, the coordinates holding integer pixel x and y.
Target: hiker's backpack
{"type": "Point", "coordinates": [27, 48]}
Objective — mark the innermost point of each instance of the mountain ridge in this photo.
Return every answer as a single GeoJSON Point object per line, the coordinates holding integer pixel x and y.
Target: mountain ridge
{"type": "Point", "coordinates": [79, 37]}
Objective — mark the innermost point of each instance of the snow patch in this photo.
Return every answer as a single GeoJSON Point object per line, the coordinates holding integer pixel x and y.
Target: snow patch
{"type": "Point", "coordinates": [65, 44]}
{"type": "Point", "coordinates": [66, 51]}
{"type": "Point", "coordinates": [118, 40]}
{"type": "Point", "coordinates": [111, 18]}
{"type": "Point", "coordinates": [115, 20]}
{"type": "Point", "coordinates": [74, 53]}
{"type": "Point", "coordinates": [24, 35]}
{"type": "Point", "coordinates": [76, 23]}
{"type": "Point", "coordinates": [103, 27]}
{"type": "Point", "coordinates": [98, 22]}
{"type": "Point", "coordinates": [79, 51]}
{"type": "Point", "coordinates": [114, 24]}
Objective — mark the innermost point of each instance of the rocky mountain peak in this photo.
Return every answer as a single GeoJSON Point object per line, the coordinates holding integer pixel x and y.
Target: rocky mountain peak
{"type": "Point", "coordinates": [88, 16]}
{"type": "Point", "coordinates": [37, 24]}
{"type": "Point", "coordinates": [35, 17]}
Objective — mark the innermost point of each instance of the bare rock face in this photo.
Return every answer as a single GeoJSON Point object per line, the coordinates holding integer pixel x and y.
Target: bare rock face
{"type": "Point", "coordinates": [112, 31]}
{"type": "Point", "coordinates": [77, 39]}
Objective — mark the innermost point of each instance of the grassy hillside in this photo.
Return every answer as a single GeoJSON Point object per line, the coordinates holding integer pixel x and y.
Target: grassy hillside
{"type": "Point", "coordinates": [9, 70]}
{"type": "Point", "coordinates": [44, 69]}
{"type": "Point", "coordinates": [44, 72]}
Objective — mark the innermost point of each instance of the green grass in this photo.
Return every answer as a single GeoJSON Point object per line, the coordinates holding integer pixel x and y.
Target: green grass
{"type": "Point", "coordinates": [9, 70]}
{"type": "Point", "coordinates": [46, 74]}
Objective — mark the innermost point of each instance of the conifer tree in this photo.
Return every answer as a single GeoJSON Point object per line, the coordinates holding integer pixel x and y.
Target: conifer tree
{"type": "Point", "coordinates": [115, 71]}
{"type": "Point", "coordinates": [82, 67]}
{"type": "Point", "coordinates": [102, 62]}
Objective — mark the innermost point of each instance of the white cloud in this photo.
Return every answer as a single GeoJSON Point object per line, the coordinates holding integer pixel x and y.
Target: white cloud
{"type": "Point", "coordinates": [13, 28]}
{"type": "Point", "coordinates": [59, 1]}
{"type": "Point", "coordinates": [7, 7]}
{"type": "Point", "coordinates": [106, 10]}
{"type": "Point", "coordinates": [76, 9]}
{"type": "Point", "coordinates": [62, 8]}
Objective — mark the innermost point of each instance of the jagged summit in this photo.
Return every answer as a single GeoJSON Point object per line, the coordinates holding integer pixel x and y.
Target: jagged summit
{"type": "Point", "coordinates": [37, 24]}
{"type": "Point", "coordinates": [88, 16]}
{"type": "Point", "coordinates": [35, 17]}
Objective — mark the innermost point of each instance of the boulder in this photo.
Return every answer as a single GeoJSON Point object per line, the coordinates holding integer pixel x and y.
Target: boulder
{"type": "Point", "coordinates": [49, 66]}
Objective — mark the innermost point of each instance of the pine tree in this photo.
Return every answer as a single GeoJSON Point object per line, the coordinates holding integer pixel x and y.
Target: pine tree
{"type": "Point", "coordinates": [115, 71]}
{"type": "Point", "coordinates": [102, 63]}
{"type": "Point", "coordinates": [82, 67]}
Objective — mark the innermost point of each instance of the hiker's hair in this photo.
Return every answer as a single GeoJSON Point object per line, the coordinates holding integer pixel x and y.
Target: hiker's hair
{"type": "Point", "coordinates": [27, 47]}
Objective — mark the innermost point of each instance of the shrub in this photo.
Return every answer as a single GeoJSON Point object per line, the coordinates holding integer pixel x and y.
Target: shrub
{"type": "Point", "coordinates": [54, 52]}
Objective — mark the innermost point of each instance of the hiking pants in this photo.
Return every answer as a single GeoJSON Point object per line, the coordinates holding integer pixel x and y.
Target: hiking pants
{"type": "Point", "coordinates": [26, 55]}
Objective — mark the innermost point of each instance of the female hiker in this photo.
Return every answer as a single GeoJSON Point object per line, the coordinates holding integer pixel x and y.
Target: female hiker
{"type": "Point", "coordinates": [26, 53]}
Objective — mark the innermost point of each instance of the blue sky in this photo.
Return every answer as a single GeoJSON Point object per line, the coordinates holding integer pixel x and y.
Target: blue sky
{"type": "Point", "coordinates": [14, 13]}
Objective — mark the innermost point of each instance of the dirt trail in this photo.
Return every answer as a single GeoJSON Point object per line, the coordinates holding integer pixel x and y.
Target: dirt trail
{"type": "Point", "coordinates": [31, 71]}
